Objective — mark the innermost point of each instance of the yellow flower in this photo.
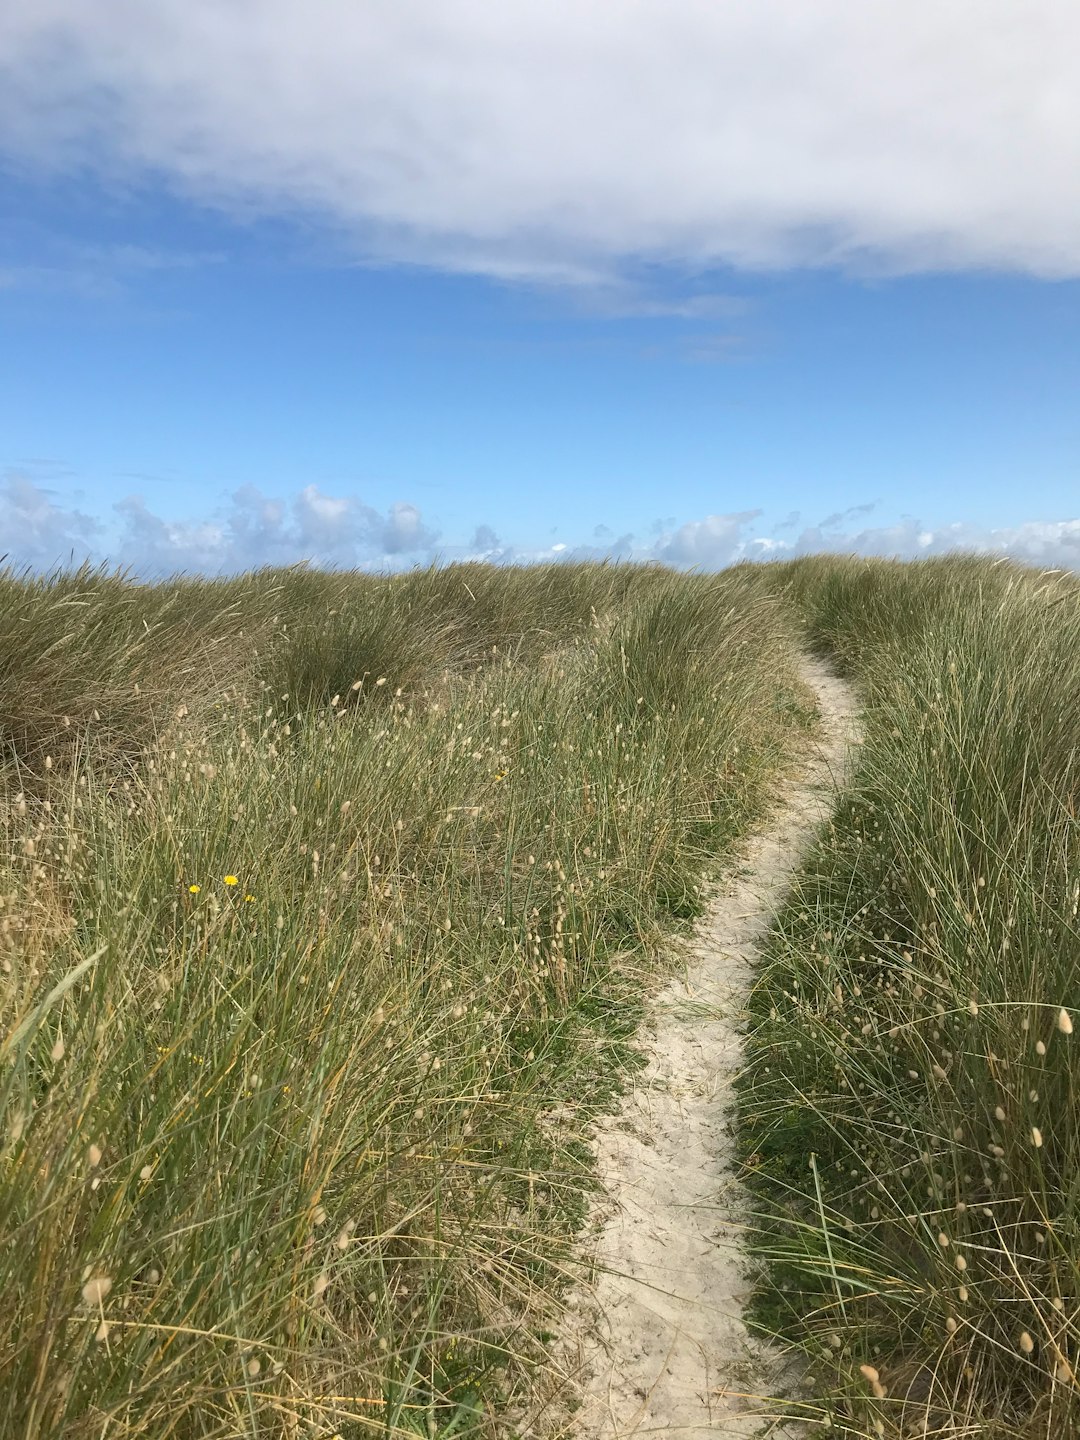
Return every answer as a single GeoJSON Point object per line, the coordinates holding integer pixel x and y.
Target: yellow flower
{"type": "Point", "coordinates": [501, 775]}
{"type": "Point", "coordinates": [231, 880]}
{"type": "Point", "coordinates": [248, 899]}
{"type": "Point", "coordinates": [194, 889]}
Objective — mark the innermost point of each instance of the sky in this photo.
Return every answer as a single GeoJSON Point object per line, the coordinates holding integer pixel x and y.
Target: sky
{"type": "Point", "coordinates": [380, 285]}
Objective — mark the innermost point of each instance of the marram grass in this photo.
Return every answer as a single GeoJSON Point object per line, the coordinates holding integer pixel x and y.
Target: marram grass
{"type": "Point", "coordinates": [326, 908]}
{"type": "Point", "coordinates": [910, 1111]}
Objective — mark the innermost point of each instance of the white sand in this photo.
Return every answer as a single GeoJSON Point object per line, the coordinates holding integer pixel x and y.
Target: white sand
{"type": "Point", "coordinates": [658, 1342]}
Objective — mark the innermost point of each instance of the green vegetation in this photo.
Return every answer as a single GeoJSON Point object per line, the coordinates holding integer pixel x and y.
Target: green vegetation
{"type": "Point", "coordinates": [326, 909]}
{"type": "Point", "coordinates": [910, 1111]}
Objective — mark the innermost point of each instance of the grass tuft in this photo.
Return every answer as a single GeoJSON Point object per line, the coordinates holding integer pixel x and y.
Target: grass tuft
{"type": "Point", "coordinates": [909, 1112]}
{"type": "Point", "coordinates": [307, 993]}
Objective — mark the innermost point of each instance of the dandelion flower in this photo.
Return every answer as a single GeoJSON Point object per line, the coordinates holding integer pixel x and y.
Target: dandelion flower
{"type": "Point", "coordinates": [231, 880]}
{"type": "Point", "coordinates": [248, 899]}
{"type": "Point", "coordinates": [194, 889]}
{"type": "Point", "coordinates": [1064, 1021]}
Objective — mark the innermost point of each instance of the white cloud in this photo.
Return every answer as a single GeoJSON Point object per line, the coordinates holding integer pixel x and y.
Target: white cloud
{"type": "Point", "coordinates": [720, 540]}
{"type": "Point", "coordinates": [253, 530]}
{"type": "Point", "coordinates": [36, 532]}
{"type": "Point", "coordinates": [560, 141]}
{"type": "Point", "coordinates": [710, 543]}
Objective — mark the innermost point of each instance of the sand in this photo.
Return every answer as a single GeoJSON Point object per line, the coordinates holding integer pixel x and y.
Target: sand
{"type": "Point", "coordinates": [656, 1341]}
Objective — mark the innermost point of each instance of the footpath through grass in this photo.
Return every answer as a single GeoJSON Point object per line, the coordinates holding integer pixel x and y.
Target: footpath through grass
{"type": "Point", "coordinates": [321, 897]}
{"type": "Point", "coordinates": [910, 1113]}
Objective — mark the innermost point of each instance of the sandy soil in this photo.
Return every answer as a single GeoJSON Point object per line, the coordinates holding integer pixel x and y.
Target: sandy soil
{"type": "Point", "coordinates": [657, 1341]}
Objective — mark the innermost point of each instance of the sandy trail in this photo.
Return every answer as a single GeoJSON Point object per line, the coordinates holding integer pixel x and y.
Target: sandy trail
{"type": "Point", "coordinates": [658, 1341]}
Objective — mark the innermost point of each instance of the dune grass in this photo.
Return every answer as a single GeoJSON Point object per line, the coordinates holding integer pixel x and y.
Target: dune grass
{"type": "Point", "coordinates": [910, 1111]}
{"type": "Point", "coordinates": [327, 906]}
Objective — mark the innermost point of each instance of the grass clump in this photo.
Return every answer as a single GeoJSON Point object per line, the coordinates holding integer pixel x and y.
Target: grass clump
{"type": "Point", "coordinates": [305, 1002]}
{"type": "Point", "coordinates": [910, 1117]}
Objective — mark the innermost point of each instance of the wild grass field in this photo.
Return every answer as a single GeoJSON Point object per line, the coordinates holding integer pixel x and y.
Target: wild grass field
{"type": "Point", "coordinates": [327, 907]}
{"type": "Point", "coordinates": [910, 1108]}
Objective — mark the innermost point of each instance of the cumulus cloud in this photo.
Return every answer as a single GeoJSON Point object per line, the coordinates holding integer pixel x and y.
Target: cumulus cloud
{"type": "Point", "coordinates": [1035, 542]}
{"type": "Point", "coordinates": [710, 543]}
{"type": "Point", "coordinates": [37, 532]}
{"type": "Point", "coordinates": [719, 540]}
{"type": "Point", "coordinates": [251, 530]}
{"type": "Point", "coordinates": [560, 142]}
{"type": "Point", "coordinates": [485, 541]}
{"type": "Point", "coordinates": [254, 530]}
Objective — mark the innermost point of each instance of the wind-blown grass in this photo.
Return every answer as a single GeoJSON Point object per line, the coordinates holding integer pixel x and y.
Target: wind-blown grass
{"type": "Point", "coordinates": [909, 1114]}
{"type": "Point", "coordinates": [327, 907]}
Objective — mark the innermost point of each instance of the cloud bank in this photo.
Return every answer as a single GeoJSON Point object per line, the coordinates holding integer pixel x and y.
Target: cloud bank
{"type": "Point", "coordinates": [39, 533]}
{"type": "Point", "coordinates": [562, 142]}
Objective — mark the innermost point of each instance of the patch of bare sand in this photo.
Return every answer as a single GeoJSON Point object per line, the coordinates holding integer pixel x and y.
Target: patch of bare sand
{"type": "Point", "coordinates": [657, 1341]}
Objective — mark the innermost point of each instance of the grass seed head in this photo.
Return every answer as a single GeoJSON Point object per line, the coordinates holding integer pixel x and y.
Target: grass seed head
{"type": "Point", "coordinates": [96, 1288]}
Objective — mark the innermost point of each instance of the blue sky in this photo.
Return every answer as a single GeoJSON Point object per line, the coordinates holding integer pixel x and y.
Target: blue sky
{"type": "Point", "coordinates": [257, 305]}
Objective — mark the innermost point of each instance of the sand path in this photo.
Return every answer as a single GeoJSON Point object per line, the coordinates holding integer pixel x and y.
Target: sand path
{"type": "Point", "coordinates": [658, 1340]}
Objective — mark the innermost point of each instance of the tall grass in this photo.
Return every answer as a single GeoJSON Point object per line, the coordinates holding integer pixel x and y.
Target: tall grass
{"type": "Point", "coordinates": [326, 908]}
{"type": "Point", "coordinates": [910, 1114]}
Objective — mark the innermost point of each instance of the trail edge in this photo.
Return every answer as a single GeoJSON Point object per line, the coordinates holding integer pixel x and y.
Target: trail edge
{"type": "Point", "coordinates": [656, 1340]}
